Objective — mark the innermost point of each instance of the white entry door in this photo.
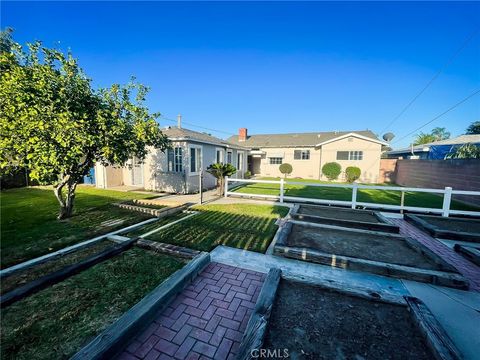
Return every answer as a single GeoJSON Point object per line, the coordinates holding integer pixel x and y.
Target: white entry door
{"type": "Point", "coordinates": [137, 172]}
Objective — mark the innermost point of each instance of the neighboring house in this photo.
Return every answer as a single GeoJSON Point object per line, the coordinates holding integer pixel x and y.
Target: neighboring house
{"type": "Point", "coordinates": [177, 170]}
{"type": "Point", "coordinates": [437, 150]}
{"type": "Point", "coordinates": [308, 152]}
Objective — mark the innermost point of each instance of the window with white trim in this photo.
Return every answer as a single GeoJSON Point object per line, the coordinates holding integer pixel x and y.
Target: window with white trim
{"type": "Point", "coordinates": [349, 155]}
{"type": "Point", "coordinates": [174, 159]}
{"type": "Point", "coordinates": [276, 160]}
{"type": "Point", "coordinates": [229, 157]}
{"type": "Point", "coordinates": [195, 160]}
{"type": "Point", "coordinates": [301, 154]}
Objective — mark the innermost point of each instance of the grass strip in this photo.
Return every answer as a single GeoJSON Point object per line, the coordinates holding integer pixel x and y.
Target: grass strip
{"type": "Point", "coordinates": [29, 225]}
{"type": "Point", "coordinates": [22, 277]}
{"type": "Point", "coordinates": [56, 322]}
{"type": "Point", "coordinates": [244, 226]}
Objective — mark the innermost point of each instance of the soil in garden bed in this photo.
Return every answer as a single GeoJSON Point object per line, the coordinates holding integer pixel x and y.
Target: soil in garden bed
{"type": "Point", "coordinates": [24, 276]}
{"type": "Point", "coordinates": [315, 323]}
{"type": "Point", "coordinates": [339, 213]}
{"type": "Point", "coordinates": [453, 224]}
{"type": "Point", "coordinates": [56, 322]}
{"type": "Point", "coordinates": [363, 245]}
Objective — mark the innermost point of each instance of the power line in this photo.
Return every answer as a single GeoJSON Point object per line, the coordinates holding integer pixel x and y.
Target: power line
{"type": "Point", "coordinates": [198, 126]}
{"type": "Point", "coordinates": [437, 74]}
{"type": "Point", "coordinates": [439, 116]}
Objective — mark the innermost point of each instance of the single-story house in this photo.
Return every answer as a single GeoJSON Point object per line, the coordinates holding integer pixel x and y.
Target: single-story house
{"type": "Point", "coordinates": [178, 169]}
{"type": "Point", "coordinates": [437, 150]}
{"type": "Point", "coordinates": [308, 152]}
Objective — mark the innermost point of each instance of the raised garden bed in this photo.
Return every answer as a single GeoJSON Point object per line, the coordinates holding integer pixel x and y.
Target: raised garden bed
{"type": "Point", "coordinates": [332, 324]}
{"type": "Point", "coordinates": [56, 322]}
{"type": "Point", "coordinates": [144, 203]}
{"type": "Point", "coordinates": [351, 218]}
{"type": "Point", "coordinates": [380, 253]}
{"type": "Point", "coordinates": [468, 252]}
{"type": "Point", "coordinates": [23, 277]}
{"type": "Point", "coordinates": [447, 227]}
{"type": "Point", "coordinates": [244, 226]}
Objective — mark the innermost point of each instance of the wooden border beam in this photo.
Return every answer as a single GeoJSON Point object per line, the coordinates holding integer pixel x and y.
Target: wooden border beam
{"type": "Point", "coordinates": [62, 274]}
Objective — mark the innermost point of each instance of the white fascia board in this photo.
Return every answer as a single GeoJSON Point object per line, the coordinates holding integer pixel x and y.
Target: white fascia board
{"type": "Point", "coordinates": [354, 135]}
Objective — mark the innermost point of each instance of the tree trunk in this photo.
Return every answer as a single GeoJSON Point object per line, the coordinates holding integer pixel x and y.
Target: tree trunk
{"type": "Point", "coordinates": [221, 183]}
{"type": "Point", "coordinates": [66, 203]}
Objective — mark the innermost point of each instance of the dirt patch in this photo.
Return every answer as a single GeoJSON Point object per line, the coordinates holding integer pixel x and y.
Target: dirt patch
{"type": "Point", "coordinates": [22, 277]}
{"type": "Point", "coordinates": [384, 248]}
{"type": "Point", "coordinates": [452, 224]}
{"type": "Point", "coordinates": [339, 213]}
{"type": "Point", "coordinates": [314, 323]}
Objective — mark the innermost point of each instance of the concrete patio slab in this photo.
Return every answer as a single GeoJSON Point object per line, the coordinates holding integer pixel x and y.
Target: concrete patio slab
{"type": "Point", "coordinates": [457, 311]}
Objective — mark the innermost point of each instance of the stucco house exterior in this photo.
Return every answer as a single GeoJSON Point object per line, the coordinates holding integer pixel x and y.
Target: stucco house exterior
{"type": "Point", "coordinates": [178, 169]}
{"type": "Point", "coordinates": [308, 152]}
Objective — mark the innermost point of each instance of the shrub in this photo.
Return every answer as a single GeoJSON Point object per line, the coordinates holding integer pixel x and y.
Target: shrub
{"type": "Point", "coordinates": [285, 169]}
{"type": "Point", "coordinates": [331, 170]}
{"type": "Point", "coordinates": [248, 174]}
{"type": "Point", "coordinates": [352, 173]}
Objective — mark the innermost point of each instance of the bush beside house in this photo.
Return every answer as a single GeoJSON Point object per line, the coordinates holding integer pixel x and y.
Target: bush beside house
{"type": "Point", "coordinates": [331, 170]}
{"type": "Point", "coordinates": [352, 173]}
{"type": "Point", "coordinates": [285, 169]}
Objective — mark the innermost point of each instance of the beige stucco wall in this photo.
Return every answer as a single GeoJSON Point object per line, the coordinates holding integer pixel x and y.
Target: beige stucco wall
{"type": "Point", "coordinates": [307, 169]}
{"type": "Point", "coordinates": [370, 165]}
{"type": "Point", "coordinates": [311, 169]}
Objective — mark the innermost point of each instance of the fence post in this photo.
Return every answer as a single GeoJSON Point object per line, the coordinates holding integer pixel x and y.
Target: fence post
{"type": "Point", "coordinates": [281, 190]}
{"type": "Point", "coordinates": [354, 195]}
{"type": "Point", "coordinates": [226, 186]}
{"type": "Point", "coordinates": [402, 202]}
{"type": "Point", "coordinates": [200, 186]}
{"type": "Point", "coordinates": [447, 199]}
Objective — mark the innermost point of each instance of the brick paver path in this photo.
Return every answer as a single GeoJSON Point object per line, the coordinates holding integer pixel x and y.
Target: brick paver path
{"type": "Point", "coordinates": [205, 321]}
{"type": "Point", "coordinates": [465, 267]}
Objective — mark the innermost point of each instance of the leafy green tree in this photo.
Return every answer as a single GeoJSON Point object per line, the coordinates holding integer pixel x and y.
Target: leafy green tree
{"type": "Point", "coordinates": [474, 128]}
{"type": "Point", "coordinates": [219, 171]}
{"type": "Point", "coordinates": [423, 138]}
{"type": "Point", "coordinates": [440, 133]}
{"type": "Point", "coordinates": [465, 151]}
{"type": "Point", "coordinates": [285, 169]}
{"type": "Point", "coordinates": [55, 124]}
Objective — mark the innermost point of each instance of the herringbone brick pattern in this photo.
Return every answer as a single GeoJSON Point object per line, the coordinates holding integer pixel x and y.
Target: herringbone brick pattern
{"type": "Point", "coordinates": [205, 321]}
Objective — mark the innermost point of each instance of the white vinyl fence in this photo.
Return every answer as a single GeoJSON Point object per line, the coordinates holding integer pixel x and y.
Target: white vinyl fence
{"type": "Point", "coordinates": [231, 184]}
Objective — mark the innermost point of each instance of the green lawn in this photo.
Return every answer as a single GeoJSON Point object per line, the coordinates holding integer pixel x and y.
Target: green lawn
{"type": "Point", "coordinates": [56, 322]}
{"type": "Point", "coordinates": [244, 226]}
{"type": "Point", "coordinates": [29, 227]}
{"type": "Point", "coordinates": [417, 199]}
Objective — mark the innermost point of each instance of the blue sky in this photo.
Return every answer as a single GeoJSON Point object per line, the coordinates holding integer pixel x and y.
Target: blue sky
{"type": "Point", "coordinates": [274, 67]}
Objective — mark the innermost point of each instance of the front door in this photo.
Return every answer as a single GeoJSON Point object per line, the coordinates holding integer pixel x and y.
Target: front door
{"type": "Point", "coordinates": [137, 172]}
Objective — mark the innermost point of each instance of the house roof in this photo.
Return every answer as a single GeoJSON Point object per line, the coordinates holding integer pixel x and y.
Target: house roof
{"type": "Point", "coordinates": [182, 134]}
{"type": "Point", "coordinates": [299, 139]}
{"type": "Point", "coordinates": [459, 140]}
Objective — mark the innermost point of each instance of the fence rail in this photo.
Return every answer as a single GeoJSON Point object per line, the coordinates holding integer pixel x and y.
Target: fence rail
{"type": "Point", "coordinates": [444, 211]}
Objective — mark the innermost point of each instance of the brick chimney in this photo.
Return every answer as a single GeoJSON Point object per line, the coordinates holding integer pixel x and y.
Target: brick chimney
{"type": "Point", "coordinates": [242, 134]}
